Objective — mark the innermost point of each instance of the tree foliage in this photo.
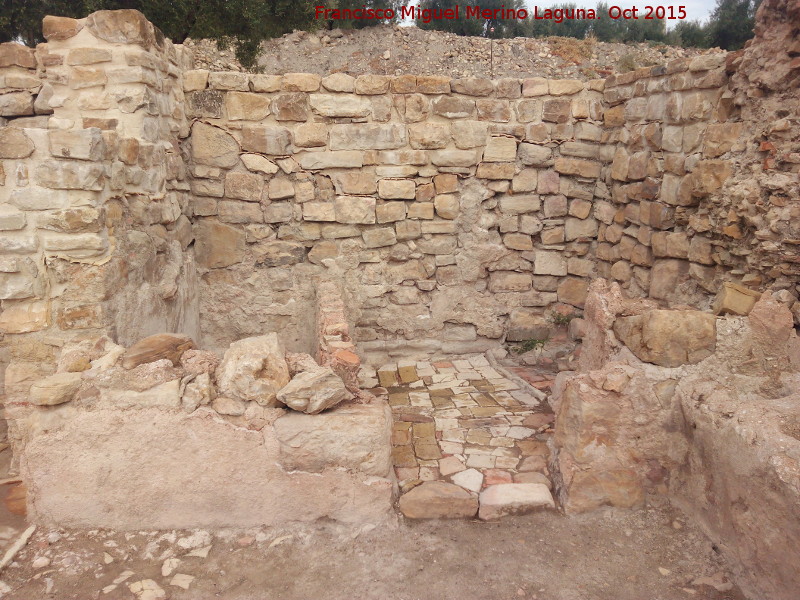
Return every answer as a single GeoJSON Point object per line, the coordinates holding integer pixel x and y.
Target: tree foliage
{"type": "Point", "coordinates": [732, 23]}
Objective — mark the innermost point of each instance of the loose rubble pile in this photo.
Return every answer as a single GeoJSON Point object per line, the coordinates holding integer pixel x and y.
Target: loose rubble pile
{"type": "Point", "coordinates": [166, 370]}
{"type": "Point", "coordinates": [170, 424]}
{"type": "Point", "coordinates": [411, 51]}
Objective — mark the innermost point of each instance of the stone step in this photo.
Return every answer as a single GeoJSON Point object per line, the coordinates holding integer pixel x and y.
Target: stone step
{"type": "Point", "coordinates": [441, 500]}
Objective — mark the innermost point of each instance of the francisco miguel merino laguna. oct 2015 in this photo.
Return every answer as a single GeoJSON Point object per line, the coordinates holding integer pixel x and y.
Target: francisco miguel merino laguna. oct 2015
{"type": "Point", "coordinates": [476, 12]}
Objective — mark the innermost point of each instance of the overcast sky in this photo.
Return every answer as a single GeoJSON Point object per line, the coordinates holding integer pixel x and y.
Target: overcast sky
{"type": "Point", "coordinates": [695, 9]}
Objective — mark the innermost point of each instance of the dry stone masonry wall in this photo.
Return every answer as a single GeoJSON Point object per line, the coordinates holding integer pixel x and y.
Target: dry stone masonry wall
{"type": "Point", "coordinates": [95, 237]}
{"type": "Point", "coordinates": [455, 213]}
{"type": "Point", "coordinates": [459, 211]}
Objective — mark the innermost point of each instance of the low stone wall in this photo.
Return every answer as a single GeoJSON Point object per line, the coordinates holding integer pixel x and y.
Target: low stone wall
{"type": "Point", "coordinates": [162, 435]}
{"type": "Point", "coordinates": [698, 408]}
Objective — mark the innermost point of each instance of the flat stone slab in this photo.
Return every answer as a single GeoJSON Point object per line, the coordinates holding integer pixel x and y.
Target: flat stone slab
{"type": "Point", "coordinates": [438, 500]}
{"type": "Point", "coordinates": [503, 499]}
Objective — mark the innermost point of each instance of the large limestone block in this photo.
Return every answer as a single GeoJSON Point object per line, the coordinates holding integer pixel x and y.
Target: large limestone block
{"type": "Point", "coordinates": [122, 27]}
{"type": "Point", "coordinates": [218, 245]}
{"type": "Point", "coordinates": [438, 500]}
{"type": "Point", "coordinates": [504, 499]}
{"type": "Point", "coordinates": [337, 106]}
{"type": "Point", "coordinates": [528, 324]}
{"type": "Point", "coordinates": [254, 369]}
{"type": "Point", "coordinates": [25, 317]}
{"type": "Point", "coordinates": [314, 390]}
{"type": "Point", "coordinates": [16, 104]}
{"type": "Point", "coordinates": [355, 210]}
{"type": "Point", "coordinates": [82, 144]}
{"type": "Point", "coordinates": [266, 139]}
{"type": "Point", "coordinates": [13, 54]}
{"type": "Point", "coordinates": [244, 106]}
{"type": "Point", "coordinates": [60, 28]}
{"type": "Point", "coordinates": [55, 389]}
{"type": "Point", "coordinates": [500, 149]}
{"type": "Point", "coordinates": [157, 347]}
{"type": "Point", "coordinates": [280, 253]}
{"type": "Point", "coordinates": [213, 146]}
{"type": "Point", "coordinates": [172, 470]}
{"type": "Point", "coordinates": [669, 338]}
{"type": "Point", "coordinates": [355, 437]}
{"type": "Point", "coordinates": [368, 136]}
{"type": "Point", "coordinates": [69, 175]}
{"type": "Point", "coordinates": [734, 299]}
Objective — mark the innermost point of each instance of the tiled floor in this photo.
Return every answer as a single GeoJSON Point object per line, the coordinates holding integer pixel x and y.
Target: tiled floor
{"type": "Point", "coordinates": [463, 422]}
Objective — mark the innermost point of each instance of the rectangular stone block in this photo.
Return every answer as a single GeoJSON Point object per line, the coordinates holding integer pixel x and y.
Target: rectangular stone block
{"type": "Point", "coordinates": [397, 189]}
{"type": "Point", "coordinates": [389, 212]}
{"type": "Point", "coordinates": [500, 149]}
{"type": "Point", "coordinates": [266, 139]}
{"type": "Point", "coordinates": [347, 159]}
{"type": "Point", "coordinates": [368, 137]}
{"type": "Point", "coordinates": [355, 210]}
{"type": "Point", "coordinates": [319, 211]}
{"type": "Point", "coordinates": [518, 204]}
{"type": "Point", "coordinates": [340, 106]}
{"type": "Point", "coordinates": [510, 281]}
{"type": "Point", "coordinates": [578, 167]}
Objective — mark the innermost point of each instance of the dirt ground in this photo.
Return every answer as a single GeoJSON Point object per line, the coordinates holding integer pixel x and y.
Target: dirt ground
{"type": "Point", "coordinates": [611, 555]}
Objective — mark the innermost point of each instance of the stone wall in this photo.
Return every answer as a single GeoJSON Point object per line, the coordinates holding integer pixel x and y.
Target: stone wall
{"type": "Point", "coordinates": [457, 211]}
{"type": "Point", "coordinates": [672, 138]}
{"type": "Point", "coordinates": [94, 235]}
{"type": "Point", "coordinates": [452, 211]}
{"type": "Point", "coordinates": [442, 205]}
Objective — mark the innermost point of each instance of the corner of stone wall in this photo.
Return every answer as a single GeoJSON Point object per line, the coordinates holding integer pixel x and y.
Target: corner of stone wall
{"type": "Point", "coordinates": [94, 203]}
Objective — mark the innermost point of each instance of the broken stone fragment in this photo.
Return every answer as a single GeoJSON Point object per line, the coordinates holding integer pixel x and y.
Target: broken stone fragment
{"type": "Point", "coordinates": [232, 407]}
{"type": "Point", "coordinates": [314, 391]}
{"type": "Point", "coordinates": [734, 299]}
{"type": "Point", "coordinates": [157, 347]}
{"type": "Point", "coordinates": [438, 500]}
{"type": "Point", "coordinates": [199, 361]}
{"type": "Point", "coordinates": [299, 362]}
{"type": "Point", "coordinates": [147, 589]}
{"type": "Point", "coordinates": [513, 499]}
{"type": "Point", "coordinates": [198, 392]}
{"type": "Point", "coordinates": [669, 338]}
{"type": "Point", "coordinates": [254, 369]}
{"type": "Point", "coordinates": [55, 389]}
